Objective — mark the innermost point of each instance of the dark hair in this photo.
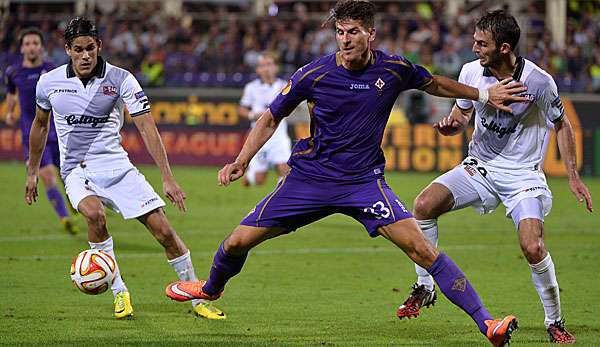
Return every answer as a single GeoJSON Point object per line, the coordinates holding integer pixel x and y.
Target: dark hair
{"type": "Point", "coordinates": [79, 26]}
{"type": "Point", "coordinates": [502, 26]}
{"type": "Point", "coordinates": [30, 31]}
{"type": "Point", "coordinates": [362, 10]}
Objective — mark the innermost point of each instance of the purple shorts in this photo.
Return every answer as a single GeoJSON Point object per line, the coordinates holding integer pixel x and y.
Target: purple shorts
{"type": "Point", "coordinates": [298, 201]}
{"type": "Point", "coordinates": [51, 155]}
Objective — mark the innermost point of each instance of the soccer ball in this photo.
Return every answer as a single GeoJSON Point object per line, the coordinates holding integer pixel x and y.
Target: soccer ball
{"type": "Point", "coordinates": [93, 271]}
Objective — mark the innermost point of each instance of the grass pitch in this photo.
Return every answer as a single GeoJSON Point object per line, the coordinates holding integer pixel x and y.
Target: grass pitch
{"type": "Point", "coordinates": [327, 284]}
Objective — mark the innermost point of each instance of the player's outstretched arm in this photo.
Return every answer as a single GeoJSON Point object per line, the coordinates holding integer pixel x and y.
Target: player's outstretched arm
{"type": "Point", "coordinates": [455, 122]}
{"type": "Point", "coordinates": [11, 102]}
{"type": "Point", "coordinates": [147, 128]}
{"type": "Point", "coordinates": [566, 145]}
{"type": "Point", "coordinates": [496, 95]}
{"type": "Point", "coordinates": [38, 136]}
{"type": "Point", "coordinates": [258, 136]}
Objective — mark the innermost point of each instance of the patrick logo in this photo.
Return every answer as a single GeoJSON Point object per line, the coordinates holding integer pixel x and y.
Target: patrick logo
{"type": "Point", "coordinates": [460, 284]}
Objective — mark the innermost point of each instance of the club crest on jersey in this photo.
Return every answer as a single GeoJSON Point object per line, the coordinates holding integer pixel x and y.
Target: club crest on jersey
{"type": "Point", "coordinates": [109, 90]}
{"type": "Point", "coordinates": [379, 84]}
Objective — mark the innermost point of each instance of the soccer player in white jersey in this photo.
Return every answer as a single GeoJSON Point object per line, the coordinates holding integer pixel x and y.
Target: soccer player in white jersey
{"type": "Point", "coordinates": [504, 163]}
{"type": "Point", "coordinates": [256, 99]}
{"type": "Point", "coordinates": [87, 98]}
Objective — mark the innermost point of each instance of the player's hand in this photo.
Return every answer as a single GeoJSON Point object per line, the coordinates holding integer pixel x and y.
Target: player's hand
{"type": "Point", "coordinates": [10, 119]}
{"type": "Point", "coordinates": [504, 92]}
{"type": "Point", "coordinates": [174, 193]}
{"type": "Point", "coordinates": [449, 125]}
{"type": "Point", "coordinates": [581, 192]}
{"type": "Point", "coordinates": [31, 193]}
{"type": "Point", "coordinates": [230, 173]}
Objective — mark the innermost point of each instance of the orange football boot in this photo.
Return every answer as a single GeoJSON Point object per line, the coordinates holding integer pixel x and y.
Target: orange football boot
{"type": "Point", "coordinates": [500, 330]}
{"type": "Point", "coordinates": [187, 290]}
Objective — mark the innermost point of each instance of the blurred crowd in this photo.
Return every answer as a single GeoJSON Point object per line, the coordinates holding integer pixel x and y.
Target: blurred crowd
{"type": "Point", "coordinates": [212, 44]}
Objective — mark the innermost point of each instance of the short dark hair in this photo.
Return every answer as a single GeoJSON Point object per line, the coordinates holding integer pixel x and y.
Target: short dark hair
{"type": "Point", "coordinates": [362, 10]}
{"type": "Point", "coordinates": [79, 26]}
{"type": "Point", "coordinates": [30, 31]}
{"type": "Point", "coordinates": [503, 27]}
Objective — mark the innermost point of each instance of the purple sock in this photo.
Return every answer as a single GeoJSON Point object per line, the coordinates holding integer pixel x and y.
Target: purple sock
{"type": "Point", "coordinates": [57, 201]}
{"type": "Point", "coordinates": [456, 288]}
{"type": "Point", "coordinates": [223, 268]}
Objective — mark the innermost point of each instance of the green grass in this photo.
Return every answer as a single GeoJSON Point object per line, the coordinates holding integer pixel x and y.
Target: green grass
{"type": "Point", "coordinates": [326, 284]}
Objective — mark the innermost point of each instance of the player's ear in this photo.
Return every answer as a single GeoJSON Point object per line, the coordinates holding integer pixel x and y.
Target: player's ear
{"type": "Point", "coordinates": [68, 50]}
{"type": "Point", "coordinates": [371, 34]}
{"type": "Point", "coordinates": [505, 48]}
{"type": "Point", "coordinates": [99, 45]}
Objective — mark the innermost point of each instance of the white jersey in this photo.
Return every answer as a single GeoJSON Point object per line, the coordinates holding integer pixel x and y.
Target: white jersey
{"type": "Point", "coordinates": [257, 96]}
{"type": "Point", "coordinates": [88, 118]}
{"type": "Point", "coordinates": [513, 141]}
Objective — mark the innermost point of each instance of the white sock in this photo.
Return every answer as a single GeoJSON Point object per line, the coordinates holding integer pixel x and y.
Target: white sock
{"type": "Point", "coordinates": [430, 230]}
{"type": "Point", "coordinates": [107, 246]}
{"type": "Point", "coordinates": [544, 280]}
{"type": "Point", "coordinates": [185, 270]}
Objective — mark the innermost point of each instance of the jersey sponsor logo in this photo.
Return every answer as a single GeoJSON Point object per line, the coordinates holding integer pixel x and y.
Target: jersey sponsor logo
{"type": "Point", "coordinates": [63, 90]}
{"type": "Point", "coordinates": [109, 90]}
{"type": "Point", "coordinates": [34, 76]}
{"type": "Point", "coordinates": [82, 119]}
{"type": "Point", "coordinates": [139, 94]}
{"type": "Point", "coordinates": [359, 86]}
{"type": "Point", "coordinates": [496, 128]}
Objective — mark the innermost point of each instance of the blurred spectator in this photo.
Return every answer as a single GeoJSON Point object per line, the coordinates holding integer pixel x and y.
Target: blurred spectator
{"type": "Point", "coordinates": [211, 42]}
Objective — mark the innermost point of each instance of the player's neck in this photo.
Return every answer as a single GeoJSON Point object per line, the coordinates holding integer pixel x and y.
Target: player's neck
{"type": "Point", "coordinates": [268, 81]}
{"type": "Point", "coordinates": [506, 68]}
{"type": "Point", "coordinates": [32, 63]}
{"type": "Point", "coordinates": [359, 64]}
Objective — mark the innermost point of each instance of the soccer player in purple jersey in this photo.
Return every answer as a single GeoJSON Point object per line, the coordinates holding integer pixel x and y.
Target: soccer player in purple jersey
{"type": "Point", "coordinates": [339, 169]}
{"type": "Point", "coordinates": [22, 78]}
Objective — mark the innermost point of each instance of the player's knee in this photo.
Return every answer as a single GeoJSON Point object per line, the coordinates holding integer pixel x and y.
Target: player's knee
{"type": "Point", "coordinates": [236, 244]}
{"type": "Point", "coordinates": [534, 251]}
{"type": "Point", "coordinates": [95, 216]}
{"type": "Point", "coordinates": [422, 206]}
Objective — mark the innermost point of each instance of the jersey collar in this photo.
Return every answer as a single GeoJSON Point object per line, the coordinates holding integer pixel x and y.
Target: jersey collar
{"type": "Point", "coordinates": [99, 70]}
{"type": "Point", "coordinates": [518, 71]}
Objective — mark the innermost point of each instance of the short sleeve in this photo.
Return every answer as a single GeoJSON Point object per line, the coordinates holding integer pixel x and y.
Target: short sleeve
{"type": "Point", "coordinates": [11, 88]}
{"type": "Point", "coordinates": [134, 97]}
{"type": "Point", "coordinates": [295, 91]}
{"type": "Point", "coordinates": [464, 104]}
{"type": "Point", "coordinates": [419, 77]}
{"type": "Point", "coordinates": [41, 97]}
{"type": "Point", "coordinates": [247, 97]}
{"type": "Point", "coordinates": [549, 102]}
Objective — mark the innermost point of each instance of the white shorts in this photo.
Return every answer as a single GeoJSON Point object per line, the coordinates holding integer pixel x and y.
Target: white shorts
{"type": "Point", "coordinates": [124, 190]}
{"type": "Point", "coordinates": [276, 151]}
{"type": "Point", "coordinates": [484, 188]}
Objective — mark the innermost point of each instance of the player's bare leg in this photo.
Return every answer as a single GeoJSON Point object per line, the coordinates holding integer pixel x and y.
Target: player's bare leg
{"type": "Point", "coordinates": [157, 223]}
{"type": "Point", "coordinates": [282, 169]}
{"type": "Point", "coordinates": [48, 175]}
{"type": "Point", "coordinates": [531, 239]}
{"type": "Point", "coordinates": [407, 236]}
{"type": "Point", "coordinates": [228, 262]}
{"type": "Point", "coordinates": [432, 202]}
{"type": "Point", "coordinates": [92, 209]}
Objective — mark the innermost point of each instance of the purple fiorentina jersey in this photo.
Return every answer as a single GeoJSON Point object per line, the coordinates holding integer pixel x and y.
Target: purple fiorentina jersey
{"type": "Point", "coordinates": [349, 111]}
{"type": "Point", "coordinates": [24, 80]}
